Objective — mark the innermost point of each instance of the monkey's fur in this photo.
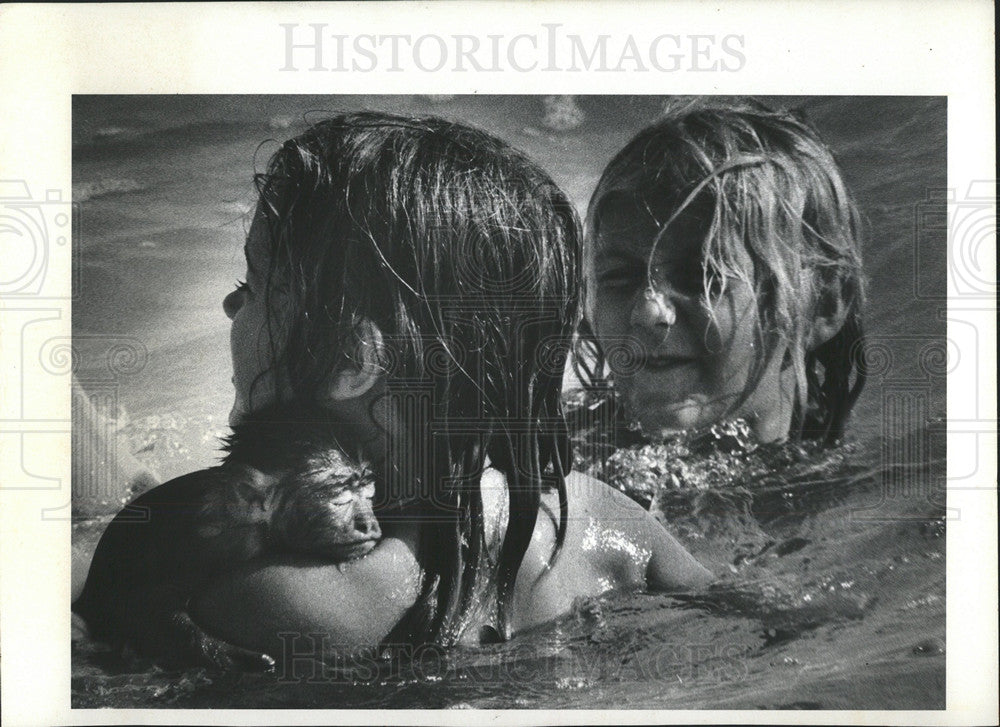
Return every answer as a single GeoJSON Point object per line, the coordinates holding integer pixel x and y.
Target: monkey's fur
{"type": "Point", "coordinates": [322, 509]}
{"type": "Point", "coordinates": [281, 490]}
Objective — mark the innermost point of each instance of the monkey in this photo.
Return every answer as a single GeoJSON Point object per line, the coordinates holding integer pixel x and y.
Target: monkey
{"type": "Point", "coordinates": [270, 497]}
{"type": "Point", "coordinates": [323, 509]}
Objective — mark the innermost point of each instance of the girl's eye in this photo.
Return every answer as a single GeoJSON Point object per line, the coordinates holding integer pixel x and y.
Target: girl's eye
{"type": "Point", "coordinates": [235, 300]}
{"type": "Point", "coordinates": [710, 286]}
{"type": "Point", "coordinates": [618, 278]}
{"type": "Point", "coordinates": [714, 287]}
{"type": "Point", "coordinates": [683, 276]}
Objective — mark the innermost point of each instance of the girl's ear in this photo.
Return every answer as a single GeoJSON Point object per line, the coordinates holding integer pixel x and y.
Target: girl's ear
{"type": "Point", "coordinates": [355, 380]}
{"type": "Point", "coordinates": [828, 319]}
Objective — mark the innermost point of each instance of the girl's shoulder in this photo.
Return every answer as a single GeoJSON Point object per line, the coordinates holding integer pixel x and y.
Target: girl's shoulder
{"type": "Point", "coordinates": [586, 495]}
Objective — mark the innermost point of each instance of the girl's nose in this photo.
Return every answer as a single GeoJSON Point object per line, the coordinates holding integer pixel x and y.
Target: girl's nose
{"type": "Point", "coordinates": [653, 308]}
{"type": "Point", "coordinates": [232, 303]}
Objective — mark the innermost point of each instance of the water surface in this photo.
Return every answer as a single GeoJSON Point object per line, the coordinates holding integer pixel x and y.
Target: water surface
{"type": "Point", "coordinates": [831, 564]}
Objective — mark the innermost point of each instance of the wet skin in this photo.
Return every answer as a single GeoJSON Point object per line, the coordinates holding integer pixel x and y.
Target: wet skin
{"type": "Point", "coordinates": [179, 536]}
{"type": "Point", "coordinates": [611, 544]}
{"type": "Point", "coordinates": [693, 354]}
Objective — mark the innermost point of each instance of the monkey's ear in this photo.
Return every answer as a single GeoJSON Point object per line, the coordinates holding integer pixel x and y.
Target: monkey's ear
{"type": "Point", "coordinates": [828, 318]}
{"type": "Point", "coordinates": [357, 378]}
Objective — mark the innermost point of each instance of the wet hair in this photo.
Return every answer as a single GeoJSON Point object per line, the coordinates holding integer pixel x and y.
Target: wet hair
{"type": "Point", "coordinates": [467, 258]}
{"type": "Point", "coordinates": [742, 172]}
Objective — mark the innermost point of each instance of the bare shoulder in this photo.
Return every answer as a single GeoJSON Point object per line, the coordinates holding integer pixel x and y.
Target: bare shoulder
{"type": "Point", "coordinates": [353, 604]}
{"type": "Point", "coordinates": [670, 565]}
{"type": "Point", "coordinates": [590, 496]}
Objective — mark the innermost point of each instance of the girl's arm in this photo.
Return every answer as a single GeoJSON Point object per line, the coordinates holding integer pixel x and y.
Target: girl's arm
{"type": "Point", "coordinates": [265, 605]}
{"type": "Point", "coordinates": [672, 567]}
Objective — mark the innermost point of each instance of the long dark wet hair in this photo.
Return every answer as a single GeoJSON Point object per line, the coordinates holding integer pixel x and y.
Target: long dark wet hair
{"type": "Point", "coordinates": [742, 172]}
{"type": "Point", "coordinates": [467, 259]}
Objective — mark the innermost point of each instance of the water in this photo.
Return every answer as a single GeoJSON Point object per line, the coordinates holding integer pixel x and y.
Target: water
{"type": "Point", "coordinates": [831, 563]}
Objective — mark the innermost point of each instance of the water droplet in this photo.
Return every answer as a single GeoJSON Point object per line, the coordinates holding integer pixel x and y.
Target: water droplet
{"type": "Point", "coordinates": [928, 647]}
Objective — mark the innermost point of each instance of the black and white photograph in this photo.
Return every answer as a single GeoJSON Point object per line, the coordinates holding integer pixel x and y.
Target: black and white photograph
{"type": "Point", "coordinates": [534, 404]}
{"type": "Point", "coordinates": [560, 401]}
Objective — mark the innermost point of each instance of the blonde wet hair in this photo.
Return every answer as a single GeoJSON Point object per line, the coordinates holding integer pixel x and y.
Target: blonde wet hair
{"type": "Point", "coordinates": [742, 173]}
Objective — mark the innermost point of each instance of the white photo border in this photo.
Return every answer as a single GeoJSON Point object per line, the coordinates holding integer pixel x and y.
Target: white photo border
{"type": "Point", "coordinates": [49, 53]}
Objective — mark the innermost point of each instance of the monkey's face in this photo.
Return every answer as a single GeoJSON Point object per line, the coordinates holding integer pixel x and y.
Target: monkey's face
{"type": "Point", "coordinates": [332, 520]}
{"type": "Point", "coordinates": [350, 529]}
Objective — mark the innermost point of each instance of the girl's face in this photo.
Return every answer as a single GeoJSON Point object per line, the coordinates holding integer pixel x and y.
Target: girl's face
{"type": "Point", "coordinates": [693, 357]}
{"type": "Point", "coordinates": [253, 338]}
{"type": "Point", "coordinates": [260, 329]}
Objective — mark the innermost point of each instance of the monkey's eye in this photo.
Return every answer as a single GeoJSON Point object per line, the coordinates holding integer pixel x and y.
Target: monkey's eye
{"type": "Point", "coordinates": [342, 498]}
{"type": "Point", "coordinates": [368, 491]}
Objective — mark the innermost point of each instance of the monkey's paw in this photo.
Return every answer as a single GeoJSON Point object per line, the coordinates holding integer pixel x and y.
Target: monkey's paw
{"type": "Point", "coordinates": [212, 652]}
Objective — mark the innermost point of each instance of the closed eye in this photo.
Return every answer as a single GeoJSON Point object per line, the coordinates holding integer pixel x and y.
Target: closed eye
{"type": "Point", "coordinates": [714, 288]}
{"type": "Point", "coordinates": [622, 277]}
{"type": "Point", "coordinates": [235, 300]}
{"type": "Point", "coordinates": [342, 498]}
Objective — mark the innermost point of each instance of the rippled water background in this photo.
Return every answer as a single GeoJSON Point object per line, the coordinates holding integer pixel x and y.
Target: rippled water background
{"type": "Point", "coordinates": [832, 590]}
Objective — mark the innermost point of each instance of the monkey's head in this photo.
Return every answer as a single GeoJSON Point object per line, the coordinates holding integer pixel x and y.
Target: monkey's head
{"type": "Point", "coordinates": [324, 508]}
